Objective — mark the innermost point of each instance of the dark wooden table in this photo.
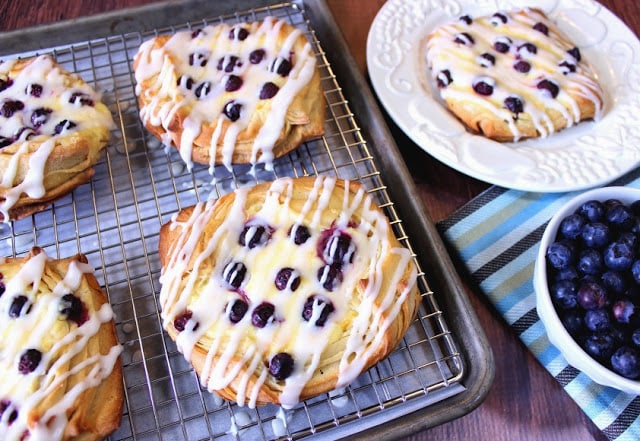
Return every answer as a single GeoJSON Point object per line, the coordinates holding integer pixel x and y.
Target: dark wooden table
{"type": "Point", "coordinates": [525, 402]}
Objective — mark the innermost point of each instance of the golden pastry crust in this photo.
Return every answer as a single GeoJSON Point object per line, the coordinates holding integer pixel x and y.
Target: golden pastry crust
{"type": "Point", "coordinates": [189, 83]}
{"type": "Point", "coordinates": [512, 75]}
{"type": "Point", "coordinates": [73, 387]}
{"type": "Point", "coordinates": [53, 129]}
{"type": "Point", "coordinates": [275, 244]}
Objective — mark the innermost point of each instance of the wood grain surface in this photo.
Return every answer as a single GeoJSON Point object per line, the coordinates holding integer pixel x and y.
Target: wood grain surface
{"type": "Point", "coordinates": [525, 402]}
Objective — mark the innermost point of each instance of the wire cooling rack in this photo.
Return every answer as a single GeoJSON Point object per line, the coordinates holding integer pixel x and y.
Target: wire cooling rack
{"type": "Point", "coordinates": [115, 219]}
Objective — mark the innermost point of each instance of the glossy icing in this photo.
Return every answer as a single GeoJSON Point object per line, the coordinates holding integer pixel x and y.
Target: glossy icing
{"type": "Point", "coordinates": [172, 65]}
{"type": "Point", "coordinates": [189, 282]}
{"type": "Point", "coordinates": [59, 340]}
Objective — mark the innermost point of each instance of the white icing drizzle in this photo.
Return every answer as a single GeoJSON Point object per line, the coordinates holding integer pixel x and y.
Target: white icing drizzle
{"type": "Point", "coordinates": [169, 65]}
{"type": "Point", "coordinates": [238, 352]}
{"type": "Point", "coordinates": [59, 341]}
{"type": "Point", "coordinates": [462, 61]}
{"type": "Point", "coordinates": [55, 96]}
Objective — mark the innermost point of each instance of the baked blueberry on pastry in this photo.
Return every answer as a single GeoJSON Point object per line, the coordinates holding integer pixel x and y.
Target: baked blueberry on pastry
{"type": "Point", "coordinates": [231, 93]}
{"type": "Point", "coordinates": [285, 290]}
{"type": "Point", "coordinates": [53, 129]}
{"type": "Point", "coordinates": [512, 75]}
{"type": "Point", "coordinates": [60, 371]}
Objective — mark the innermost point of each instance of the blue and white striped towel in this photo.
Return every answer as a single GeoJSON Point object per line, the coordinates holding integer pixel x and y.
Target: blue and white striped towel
{"type": "Point", "coordinates": [497, 236]}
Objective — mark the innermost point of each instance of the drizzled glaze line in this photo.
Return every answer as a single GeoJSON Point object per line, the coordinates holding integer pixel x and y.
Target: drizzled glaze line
{"type": "Point", "coordinates": [60, 342]}
{"type": "Point", "coordinates": [169, 63]}
{"type": "Point", "coordinates": [237, 352]}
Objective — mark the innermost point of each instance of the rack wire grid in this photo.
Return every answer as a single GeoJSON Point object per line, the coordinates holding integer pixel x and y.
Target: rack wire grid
{"type": "Point", "coordinates": [115, 219]}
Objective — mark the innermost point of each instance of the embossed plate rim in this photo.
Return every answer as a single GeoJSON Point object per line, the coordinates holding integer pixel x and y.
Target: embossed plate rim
{"type": "Point", "coordinates": [580, 157]}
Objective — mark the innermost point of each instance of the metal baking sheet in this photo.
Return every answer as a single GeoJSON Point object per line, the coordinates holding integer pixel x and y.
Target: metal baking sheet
{"type": "Point", "coordinates": [442, 369]}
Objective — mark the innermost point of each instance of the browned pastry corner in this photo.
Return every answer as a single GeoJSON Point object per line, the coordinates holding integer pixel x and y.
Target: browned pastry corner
{"type": "Point", "coordinates": [285, 290]}
{"type": "Point", "coordinates": [53, 129]}
{"type": "Point", "coordinates": [512, 75]}
{"type": "Point", "coordinates": [60, 374]}
{"type": "Point", "coordinates": [231, 94]}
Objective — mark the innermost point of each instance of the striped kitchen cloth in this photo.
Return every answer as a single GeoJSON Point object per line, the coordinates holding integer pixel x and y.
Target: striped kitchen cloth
{"type": "Point", "coordinates": [497, 235]}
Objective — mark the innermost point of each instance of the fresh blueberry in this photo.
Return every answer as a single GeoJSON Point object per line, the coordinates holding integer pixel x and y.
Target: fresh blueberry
{"type": "Point", "coordinates": [600, 345]}
{"type": "Point", "coordinates": [560, 254]}
{"type": "Point", "coordinates": [568, 273]}
{"type": "Point", "coordinates": [592, 210]}
{"type": "Point", "coordinates": [619, 256]}
{"type": "Point", "coordinates": [614, 282]}
{"type": "Point", "coordinates": [573, 322]}
{"type": "Point", "coordinates": [591, 295]}
{"type": "Point", "coordinates": [624, 311]}
{"type": "Point", "coordinates": [597, 319]}
{"type": "Point", "coordinates": [595, 235]}
{"type": "Point", "coordinates": [281, 366]}
{"type": "Point", "coordinates": [590, 262]}
{"type": "Point", "coordinates": [626, 362]}
{"type": "Point", "coordinates": [635, 337]}
{"type": "Point", "coordinates": [5, 83]}
{"type": "Point", "coordinates": [619, 216]}
{"type": "Point", "coordinates": [564, 294]}
{"type": "Point", "coordinates": [571, 226]}
{"type": "Point", "coordinates": [34, 89]}
{"type": "Point", "coordinates": [229, 63]}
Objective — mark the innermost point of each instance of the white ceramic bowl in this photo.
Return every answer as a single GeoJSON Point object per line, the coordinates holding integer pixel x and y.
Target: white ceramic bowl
{"type": "Point", "coordinates": [556, 332]}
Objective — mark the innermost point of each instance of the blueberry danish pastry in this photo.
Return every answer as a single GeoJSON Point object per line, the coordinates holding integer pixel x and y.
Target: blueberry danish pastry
{"type": "Point", "coordinates": [285, 290]}
{"type": "Point", "coordinates": [60, 371]}
{"type": "Point", "coordinates": [231, 94]}
{"type": "Point", "coordinates": [53, 129]}
{"type": "Point", "coordinates": [512, 75]}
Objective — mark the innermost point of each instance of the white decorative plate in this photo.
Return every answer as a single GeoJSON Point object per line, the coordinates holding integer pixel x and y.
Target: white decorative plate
{"type": "Point", "coordinates": [586, 155]}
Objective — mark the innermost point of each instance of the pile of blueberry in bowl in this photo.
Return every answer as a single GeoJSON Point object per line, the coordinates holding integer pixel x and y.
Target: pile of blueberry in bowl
{"type": "Point", "coordinates": [587, 284]}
